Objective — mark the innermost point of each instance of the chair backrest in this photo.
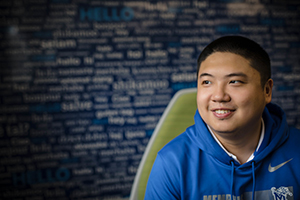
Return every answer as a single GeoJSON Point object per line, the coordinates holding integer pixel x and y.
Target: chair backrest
{"type": "Point", "coordinates": [178, 115]}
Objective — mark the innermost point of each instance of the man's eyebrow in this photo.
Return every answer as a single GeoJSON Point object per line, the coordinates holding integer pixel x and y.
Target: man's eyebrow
{"type": "Point", "coordinates": [228, 75]}
{"type": "Point", "coordinates": [205, 74]}
{"type": "Point", "coordinates": [237, 74]}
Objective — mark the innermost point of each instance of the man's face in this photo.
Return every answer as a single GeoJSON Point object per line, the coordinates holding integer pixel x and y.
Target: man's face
{"type": "Point", "coordinates": [230, 97]}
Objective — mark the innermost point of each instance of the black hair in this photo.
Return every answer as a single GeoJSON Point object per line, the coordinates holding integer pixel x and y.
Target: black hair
{"type": "Point", "coordinates": [258, 58]}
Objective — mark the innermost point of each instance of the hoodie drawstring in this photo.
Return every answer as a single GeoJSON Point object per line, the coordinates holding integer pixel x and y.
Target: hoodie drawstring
{"type": "Point", "coordinates": [232, 177]}
{"type": "Point", "coordinates": [253, 175]}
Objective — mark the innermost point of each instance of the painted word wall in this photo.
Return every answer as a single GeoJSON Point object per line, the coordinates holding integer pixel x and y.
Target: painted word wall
{"type": "Point", "coordinates": [83, 83]}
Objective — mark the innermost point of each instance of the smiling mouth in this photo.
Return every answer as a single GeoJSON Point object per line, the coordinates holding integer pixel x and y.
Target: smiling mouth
{"type": "Point", "coordinates": [222, 111]}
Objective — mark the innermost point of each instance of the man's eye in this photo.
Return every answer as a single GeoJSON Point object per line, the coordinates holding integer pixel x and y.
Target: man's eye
{"type": "Point", "coordinates": [206, 82]}
{"type": "Point", "coordinates": [235, 81]}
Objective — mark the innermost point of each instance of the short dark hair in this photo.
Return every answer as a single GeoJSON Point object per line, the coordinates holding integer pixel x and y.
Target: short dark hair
{"type": "Point", "coordinates": [250, 50]}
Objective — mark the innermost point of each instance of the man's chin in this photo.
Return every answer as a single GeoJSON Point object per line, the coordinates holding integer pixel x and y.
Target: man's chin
{"type": "Point", "coordinates": [222, 130]}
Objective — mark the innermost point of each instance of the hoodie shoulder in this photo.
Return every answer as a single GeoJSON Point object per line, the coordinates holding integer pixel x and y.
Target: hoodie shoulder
{"type": "Point", "coordinates": [180, 144]}
{"type": "Point", "coordinates": [294, 135]}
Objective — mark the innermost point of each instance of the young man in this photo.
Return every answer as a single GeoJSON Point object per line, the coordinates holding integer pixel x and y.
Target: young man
{"type": "Point", "coordinates": [240, 146]}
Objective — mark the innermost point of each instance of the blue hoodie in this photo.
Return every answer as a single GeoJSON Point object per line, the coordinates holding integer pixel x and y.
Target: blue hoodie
{"type": "Point", "coordinates": [193, 165]}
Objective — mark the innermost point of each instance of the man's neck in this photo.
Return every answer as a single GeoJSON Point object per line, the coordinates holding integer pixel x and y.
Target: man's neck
{"type": "Point", "coordinates": [242, 149]}
{"type": "Point", "coordinates": [242, 146]}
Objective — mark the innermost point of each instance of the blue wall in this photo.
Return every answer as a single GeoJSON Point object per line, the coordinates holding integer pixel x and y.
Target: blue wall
{"type": "Point", "coordinates": [83, 83]}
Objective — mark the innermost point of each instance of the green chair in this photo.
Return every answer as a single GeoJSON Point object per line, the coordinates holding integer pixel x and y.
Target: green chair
{"type": "Point", "coordinates": [178, 115]}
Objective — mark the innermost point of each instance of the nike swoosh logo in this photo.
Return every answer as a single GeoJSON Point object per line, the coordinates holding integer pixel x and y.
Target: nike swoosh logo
{"type": "Point", "coordinates": [273, 169]}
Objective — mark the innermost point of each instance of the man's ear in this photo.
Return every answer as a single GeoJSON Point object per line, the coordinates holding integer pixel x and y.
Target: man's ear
{"type": "Point", "coordinates": [268, 90]}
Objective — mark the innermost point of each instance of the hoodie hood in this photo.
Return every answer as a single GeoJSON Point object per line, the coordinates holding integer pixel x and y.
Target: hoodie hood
{"type": "Point", "coordinates": [276, 133]}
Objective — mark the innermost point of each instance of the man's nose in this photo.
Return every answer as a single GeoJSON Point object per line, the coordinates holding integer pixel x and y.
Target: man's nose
{"type": "Point", "coordinates": [220, 94]}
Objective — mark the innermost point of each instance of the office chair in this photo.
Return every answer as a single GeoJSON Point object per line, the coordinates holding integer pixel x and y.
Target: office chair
{"type": "Point", "coordinates": [178, 115]}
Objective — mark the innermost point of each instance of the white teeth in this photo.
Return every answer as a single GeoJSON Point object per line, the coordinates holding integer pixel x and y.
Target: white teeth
{"type": "Point", "coordinates": [222, 111]}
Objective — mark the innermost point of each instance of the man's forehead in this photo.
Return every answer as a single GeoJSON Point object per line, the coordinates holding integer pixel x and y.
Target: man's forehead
{"type": "Point", "coordinates": [226, 64]}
